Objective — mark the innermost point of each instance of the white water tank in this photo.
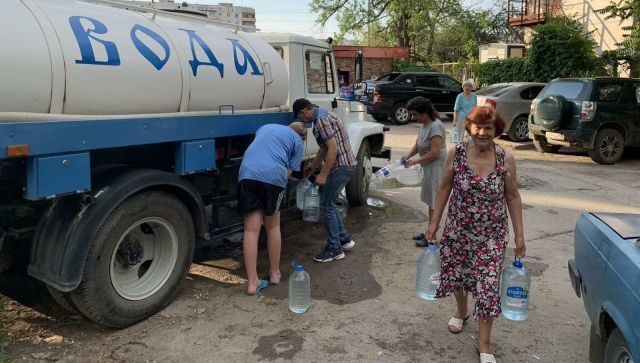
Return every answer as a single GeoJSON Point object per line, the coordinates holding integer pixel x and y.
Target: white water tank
{"type": "Point", "coordinates": [74, 57]}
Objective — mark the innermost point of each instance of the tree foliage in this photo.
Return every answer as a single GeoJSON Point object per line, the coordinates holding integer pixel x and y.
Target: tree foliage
{"type": "Point", "coordinates": [629, 50]}
{"type": "Point", "coordinates": [502, 71]}
{"type": "Point", "coordinates": [434, 30]}
{"type": "Point", "coordinates": [560, 48]}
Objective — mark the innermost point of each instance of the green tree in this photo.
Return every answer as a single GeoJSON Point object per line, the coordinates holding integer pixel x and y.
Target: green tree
{"type": "Point", "coordinates": [560, 48]}
{"type": "Point", "coordinates": [629, 51]}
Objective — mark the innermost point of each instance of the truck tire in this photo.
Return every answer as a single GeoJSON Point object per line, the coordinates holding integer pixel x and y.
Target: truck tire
{"type": "Point", "coordinates": [358, 187]}
{"type": "Point", "coordinates": [137, 260]}
{"type": "Point", "coordinates": [400, 115]}
{"type": "Point", "coordinates": [617, 349]}
{"type": "Point", "coordinates": [543, 146]}
{"type": "Point", "coordinates": [519, 131]}
{"type": "Point", "coordinates": [608, 148]}
{"type": "Point", "coordinates": [380, 118]}
{"type": "Point", "coordinates": [63, 299]}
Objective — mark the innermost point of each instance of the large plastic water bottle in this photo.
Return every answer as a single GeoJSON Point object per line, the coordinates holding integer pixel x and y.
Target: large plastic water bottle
{"type": "Point", "coordinates": [301, 189]}
{"type": "Point", "coordinates": [428, 275]}
{"type": "Point", "coordinates": [311, 211]}
{"type": "Point", "coordinates": [299, 290]}
{"type": "Point", "coordinates": [386, 172]}
{"type": "Point", "coordinates": [515, 291]}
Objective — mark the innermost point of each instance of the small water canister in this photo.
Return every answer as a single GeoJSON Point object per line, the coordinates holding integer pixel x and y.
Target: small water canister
{"type": "Point", "coordinates": [428, 273]}
{"type": "Point", "coordinates": [454, 135]}
{"type": "Point", "coordinates": [515, 291]}
{"type": "Point", "coordinates": [299, 290]}
{"type": "Point", "coordinates": [311, 211]}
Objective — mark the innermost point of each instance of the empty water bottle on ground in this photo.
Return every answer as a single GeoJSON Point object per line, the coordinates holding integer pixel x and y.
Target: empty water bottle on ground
{"type": "Point", "coordinates": [311, 210]}
{"type": "Point", "coordinates": [428, 274]}
{"type": "Point", "coordinates": [301, 189]}
{"type": "Point", "coordinates": [299, 290]}
{"type": "Point", "coordinates": [515, 291]}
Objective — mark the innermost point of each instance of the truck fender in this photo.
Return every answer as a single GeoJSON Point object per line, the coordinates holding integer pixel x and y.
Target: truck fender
{"type": "Point", "coordinates": [608, 308]}
{"type": "Point", "coordinates": [359, 131]}
{"type": "Point", "coordinates": [65, 231]}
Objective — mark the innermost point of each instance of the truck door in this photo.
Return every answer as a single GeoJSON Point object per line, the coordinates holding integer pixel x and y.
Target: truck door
{"type": "Point", "coordinates": [320, 85]}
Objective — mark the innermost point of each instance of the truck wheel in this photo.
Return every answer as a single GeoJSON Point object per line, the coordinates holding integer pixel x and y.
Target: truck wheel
{"type": "Point", "coordinates": [519, 131]}
{"type": "Point", "coordinates": [137, 260]}
{"type": "Point", "coordinates": [63, 299]}
{"type": "Point", "coordinates": [608, 148]}
{"type": "Point", "coordinates": [358, 188]}
{"type": "Point", "coordinates": [400, 115]}
{"type": "Point", "coordinates": [543, 146]}
{"type": "Point", "coordinates": [380, 118]}
{"type": "Point", "coordinates": [617, 349]}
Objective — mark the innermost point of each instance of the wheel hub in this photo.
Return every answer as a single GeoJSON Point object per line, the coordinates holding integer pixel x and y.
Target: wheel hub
{"type": "Point", "coordinates": [130, 253]}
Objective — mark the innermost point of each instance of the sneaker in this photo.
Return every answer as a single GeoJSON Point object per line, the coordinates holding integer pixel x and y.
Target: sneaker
{"type": "Point", "coordinates": [327, 255]}
{"type": "Point", "coordinates": [346, 246]}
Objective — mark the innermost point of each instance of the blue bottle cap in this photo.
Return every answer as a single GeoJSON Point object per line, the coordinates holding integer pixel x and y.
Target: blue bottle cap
{"type": "Point", "coordinates": [298, 267]}
{"type": "Point", "coordinates": [517, 263]}
{"type": "Point", "coordinates": [432, 246]}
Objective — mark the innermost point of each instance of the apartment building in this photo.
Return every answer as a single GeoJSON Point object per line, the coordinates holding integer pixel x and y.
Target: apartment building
{"type": "Point", "coordinates": [223, 12]}
{"type": "Point", "coordinates": [605, 32]}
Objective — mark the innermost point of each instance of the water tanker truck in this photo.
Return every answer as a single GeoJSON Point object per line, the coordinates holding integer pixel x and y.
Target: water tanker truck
{"type": "Point", "coordinates": [121, 134]}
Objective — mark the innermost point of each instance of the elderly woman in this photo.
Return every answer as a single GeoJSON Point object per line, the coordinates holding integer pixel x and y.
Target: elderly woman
{"type": "Point", "coordinates": [479, 181]}
{"type": "Point", "coordinates": [431, 147]}
{"type": "Point", "coordinates": [464, 103]}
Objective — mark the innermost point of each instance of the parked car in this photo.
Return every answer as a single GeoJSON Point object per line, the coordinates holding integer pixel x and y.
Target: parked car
{"type": "Point", "coordinates": [606, 274]}
{"type": "Point", "coordinates": [601, 115]}
{"type": "Point", "coordinates": [389, 97]}
{"type": "Point", "coordinates": [512, 101]}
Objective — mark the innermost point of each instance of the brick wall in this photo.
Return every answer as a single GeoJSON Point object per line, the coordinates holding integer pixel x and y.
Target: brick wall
{"type": "Point", "coordinates": [372, 67]}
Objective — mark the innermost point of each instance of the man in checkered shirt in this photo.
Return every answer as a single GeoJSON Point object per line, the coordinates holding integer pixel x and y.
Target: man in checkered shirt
{"type": "Point", "coordinates": [339, 167]}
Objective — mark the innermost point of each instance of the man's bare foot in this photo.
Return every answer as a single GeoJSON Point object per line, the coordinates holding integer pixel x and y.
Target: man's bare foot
{"type": "Point", "coordinates": [274, 278]}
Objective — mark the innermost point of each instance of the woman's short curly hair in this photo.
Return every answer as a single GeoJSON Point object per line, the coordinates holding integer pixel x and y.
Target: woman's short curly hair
{"type": "Point", "coordinates": [483, 115]}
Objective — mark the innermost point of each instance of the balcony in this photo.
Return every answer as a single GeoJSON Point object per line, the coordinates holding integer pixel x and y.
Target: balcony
{"type": "Point", "coordinates": [530, 12]}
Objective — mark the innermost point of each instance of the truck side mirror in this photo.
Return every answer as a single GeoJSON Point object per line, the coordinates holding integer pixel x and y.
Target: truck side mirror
{"type": "Point", "coordinates": [358, 67]}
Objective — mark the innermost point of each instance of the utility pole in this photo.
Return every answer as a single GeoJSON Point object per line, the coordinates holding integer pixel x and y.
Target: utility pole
{"type": "Point", "coordinates": [369, 23]}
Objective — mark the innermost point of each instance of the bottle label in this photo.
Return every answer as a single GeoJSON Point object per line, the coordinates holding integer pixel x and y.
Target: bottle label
{"type": "Point", "coordinates": [517, 296]}
{"type": "Point", "coordinates": [435, 278]}
{"type": "Point", "coordinates": [384, 171]}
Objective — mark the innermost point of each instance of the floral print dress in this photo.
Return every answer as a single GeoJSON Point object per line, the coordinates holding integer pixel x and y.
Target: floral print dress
{"type": "Point", "coordinates": [475, 234]}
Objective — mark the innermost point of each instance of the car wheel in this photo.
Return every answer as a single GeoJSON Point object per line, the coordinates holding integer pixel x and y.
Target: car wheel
{"type": "Point", "coordinates": [137, 260]}
{"type": "Point", "coordinates": [543, 146]}
{"type": "Point", "coordinates": [358, 187]}
{"type": "Point", "coordinates": [617, 349]}
{"type": "Point", "coordinates": [608, 148]}
{"type": "Point", "coordinates": [400, 115]}
{"type": "Point", "coordinates": [551, 111]}
{"type": "Point", "coordinates": [63, 299]}
{"type": "Point", "coordinates": [519, 129]}
{"type": "Point", "coordinates": [380, 118]}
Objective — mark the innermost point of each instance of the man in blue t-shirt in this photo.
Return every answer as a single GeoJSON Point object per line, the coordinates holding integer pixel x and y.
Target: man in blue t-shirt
{"type": "Point", "coordinates": [275, 152]}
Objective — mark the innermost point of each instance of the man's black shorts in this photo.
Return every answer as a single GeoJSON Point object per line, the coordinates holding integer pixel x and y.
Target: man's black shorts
{"type": "Point", "coordinates": [255, 195]}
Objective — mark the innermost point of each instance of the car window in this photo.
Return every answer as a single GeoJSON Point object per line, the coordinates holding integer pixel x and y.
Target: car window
{"type": "Point", "coordinates": [388, 77]}
{"type": "Point", "coordinates": [570, 89]}
{"type": "Point", "coordinates": [427, 81]}
{"type": "Point", "coordinates": [530, 93]}
{"type": "Point", "coordinates": [637, 92]}
{"type": "Point", "coordinates": [493, 90]}
{"type": "Point", "coordinates": [406, 79]}
{"type": "Point", "coordinates": [609, 92]}
{"type": "Point", "coordinates": [448, 83]}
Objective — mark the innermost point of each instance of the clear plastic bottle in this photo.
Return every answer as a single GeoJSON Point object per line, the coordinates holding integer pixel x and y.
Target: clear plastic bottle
{"type": "Point", "coordinates": [299, 290]}
{"type": "Point", "coordinates": [301, 189]}
{"type": "Point", "coordinates": [515, 291]}
{"type": "Point", "coordinates": [311, 211]}
{"type": "Point", "coordinates": [454, 135]}
{"type": "Point", "coordinates": [428, 274]}
{"type": "Point", "coordinates": [385, 172]}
